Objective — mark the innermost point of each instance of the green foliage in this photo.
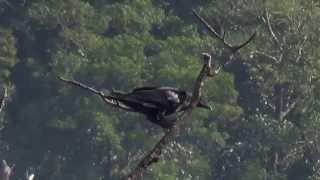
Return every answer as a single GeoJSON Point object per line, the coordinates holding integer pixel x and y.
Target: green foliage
{"type": "Point", "coordinates": [8, 54]}
{"type": "Point", "coordinates": [253, 170]}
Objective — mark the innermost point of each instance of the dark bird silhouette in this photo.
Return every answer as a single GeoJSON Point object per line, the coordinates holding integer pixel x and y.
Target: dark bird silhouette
{"type": "Point", "coordinates": [156, 102]}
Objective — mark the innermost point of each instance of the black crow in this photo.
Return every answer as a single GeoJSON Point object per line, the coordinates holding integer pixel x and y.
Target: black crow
{"type": "Point", "coordinates": [156, 102]}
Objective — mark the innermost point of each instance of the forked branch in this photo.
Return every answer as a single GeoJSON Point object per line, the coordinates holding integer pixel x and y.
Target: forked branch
{"type": "Point", "coordinates": [232, 48]}
{"type": "Point", "coordinates": [206, 71]}
{"type": "Point", "coordinates": [154, 155]}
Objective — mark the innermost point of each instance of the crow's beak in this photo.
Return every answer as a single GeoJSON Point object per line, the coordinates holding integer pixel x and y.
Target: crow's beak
{"type": "Point", "coordinates": [204, 104]}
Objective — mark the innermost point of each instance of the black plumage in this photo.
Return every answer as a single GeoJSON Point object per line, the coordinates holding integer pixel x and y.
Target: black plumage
{"type": "Point", "coordinates": [156, 102]}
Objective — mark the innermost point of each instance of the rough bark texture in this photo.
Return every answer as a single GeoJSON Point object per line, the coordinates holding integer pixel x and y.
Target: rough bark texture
{"type": "Point", "coordinates": [6, 171]}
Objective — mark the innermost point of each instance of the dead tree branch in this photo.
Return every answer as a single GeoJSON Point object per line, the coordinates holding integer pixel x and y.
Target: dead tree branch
{"type": "Point", "coordinates": [29, 176]}
{"type": "Point", "coordinates": [260, 53]}
{"type": "Point", "coordinates": [232, 48]}
{"type": "Point", "coordinates": [270, 29]}
{"type": "Point", "coordinates": [286, 111]}
{"type": "Point", "coordinates": [3, 99]}
{"type": "Point", "coordinates": [105, 98]}
{"type": "Point", "coordinates": [154, 155]}
{"type": "Point", "coordinates": [6, 171]}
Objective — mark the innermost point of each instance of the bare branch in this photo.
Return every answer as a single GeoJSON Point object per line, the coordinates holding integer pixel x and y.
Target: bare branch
{"type": "Point", "coordinates": [199, 83]}
{"type": "Point", "coordinates": [83, 86]}
{"type": "Point", "coordinates": [285, 112]}
{"type": "Point", "coordinates": [3, 99]}
{"type": "Point", "coordinates": [106, 99]}
{"type": "Point", "coordinates": [29, 176]}
{"type": "Point", "coordinates": [232, 48]}
{"type": "Point", "coordinates": [300, 50]}
{"type": "Point", "coordinates": [6, 170]}
{"type": "Point", "coordinates": [265, 55]}
{"type": "Point", "coordinates": [152, 157]}
{"type": "Point", "coordinates": [270, 29]}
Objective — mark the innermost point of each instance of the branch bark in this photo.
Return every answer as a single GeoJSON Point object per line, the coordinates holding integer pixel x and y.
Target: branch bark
{"type": "Point", "coordinates": [3, 99]}
{"type": "Point", "coordinates": [154, 155]}
{"type": "Point", "coordinates": [270, 29]}
{"type": "Point", "coordinates": [260, 53]}
{"type": "Point", "coordinates": [105, 98]}
{"type": "Point", "coordinates": [6, 171]}
{"type": "Point", "coordinates": [29, 176]}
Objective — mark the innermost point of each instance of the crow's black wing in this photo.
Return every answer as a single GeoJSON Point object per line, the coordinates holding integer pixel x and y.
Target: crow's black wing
{"type": "Point", "coordinates": [152, 96]}
{"type": "Point", "coordinates": [131, 100]}
{"type": "Point", "coordinates": [164, 98]}
{"type": "Point", "coordinates": [144, 88]}
{"type": "Point", "coordinates": [163, 88]}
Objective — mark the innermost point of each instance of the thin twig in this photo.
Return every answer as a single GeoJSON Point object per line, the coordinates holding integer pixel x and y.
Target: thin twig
{"type": "Point", "coordinates": [29, 176]}
{"type": "Point", "coordinates": [300, 50]}
{"type": "Point", "coordinates": [107, 99]}
{"type": "Point", "coordinates": [270, 29]}
{"type": "Point", "coordinates": [83, 86]}
{"type": "Point", "coordinates": [3, 99]}
{"type": "Point", "coordinates": [232, 48]}
{"type": "Point", "coordinates": [285, 112]}
{"type": "Point", "coordinates": [265, 55]}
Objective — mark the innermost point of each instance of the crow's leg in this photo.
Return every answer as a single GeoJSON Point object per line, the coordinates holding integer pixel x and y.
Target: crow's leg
{"type": "Point", "coordinates": [161, 120]}
{"type": "Point", "coordinates": [160, 116]}
{"type": "Point", "coordinates": [165, 121]}
{"type": "Point", "coordinates": [171, 117]}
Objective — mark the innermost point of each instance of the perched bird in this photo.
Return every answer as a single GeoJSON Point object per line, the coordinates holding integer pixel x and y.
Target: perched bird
{"type": "Point", "coordinates": [156, 102]}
